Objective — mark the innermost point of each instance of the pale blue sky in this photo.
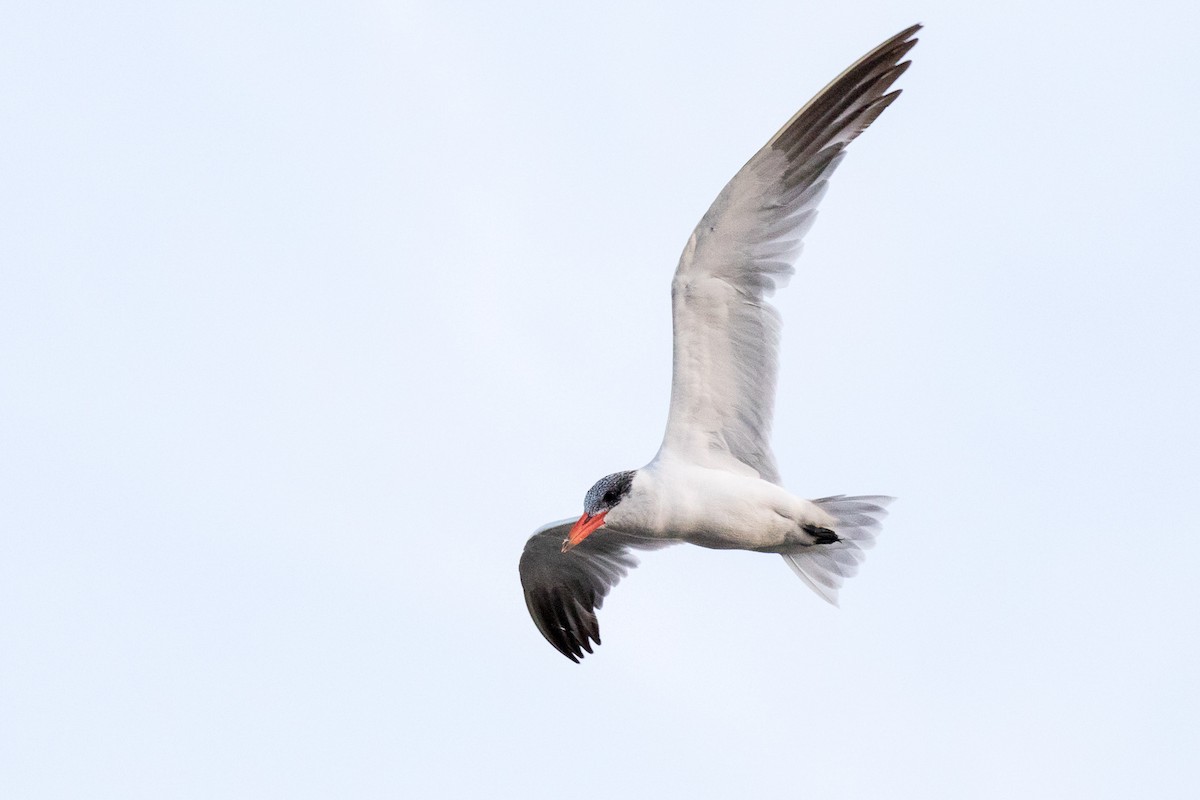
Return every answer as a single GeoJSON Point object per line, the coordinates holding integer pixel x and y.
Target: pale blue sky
{"type": "Point", "coordinates": [311, 313]}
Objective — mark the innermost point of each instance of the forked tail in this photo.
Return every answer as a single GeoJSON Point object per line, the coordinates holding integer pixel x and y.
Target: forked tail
{"type": "Point", "coordinates": [824, 567]}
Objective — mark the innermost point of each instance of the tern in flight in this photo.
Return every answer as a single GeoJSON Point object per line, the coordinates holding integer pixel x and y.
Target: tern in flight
{"type": "Point", "coordinates": [714, 482]}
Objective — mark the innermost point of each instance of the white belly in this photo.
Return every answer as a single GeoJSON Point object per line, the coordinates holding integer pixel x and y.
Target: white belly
{"type": "Point", "coordinates": [717, 509]}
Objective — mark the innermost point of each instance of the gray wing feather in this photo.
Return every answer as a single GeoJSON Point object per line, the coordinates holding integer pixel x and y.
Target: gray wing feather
{"type": "Point", "coordinates": [726, 332]}
{"type": "Point", "coordinates": [563, 591]}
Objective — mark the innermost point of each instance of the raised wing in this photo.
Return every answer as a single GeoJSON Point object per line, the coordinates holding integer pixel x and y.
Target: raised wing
{"type": "Point", "coordinates": [564, 590]}
{"type": "Point", "coordinates": [726, 333]}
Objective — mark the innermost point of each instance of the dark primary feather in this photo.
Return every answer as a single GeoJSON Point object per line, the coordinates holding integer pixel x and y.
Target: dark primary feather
{"type": "Point", "coordinates": [563, 591]}
{"type": "Point", "coordinates": [850, 103]}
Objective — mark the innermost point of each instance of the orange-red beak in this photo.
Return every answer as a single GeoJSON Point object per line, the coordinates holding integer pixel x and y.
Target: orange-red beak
{"type": "Point", "coordinates": [582, 529]}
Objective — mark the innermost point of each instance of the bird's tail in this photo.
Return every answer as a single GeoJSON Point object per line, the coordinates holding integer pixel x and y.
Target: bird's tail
{"type": "Point", "coordinates": [825, 567]}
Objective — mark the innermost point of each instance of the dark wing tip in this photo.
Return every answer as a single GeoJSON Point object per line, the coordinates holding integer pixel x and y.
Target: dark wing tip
{"type": "Point", "coordinates": [849, 103]}
{"type": "Point", "coordinates": [563, 591]}
{"type": "Point", "coordinates": [907, 32]}
{"type": "Point", "coordinates": [549, 610]}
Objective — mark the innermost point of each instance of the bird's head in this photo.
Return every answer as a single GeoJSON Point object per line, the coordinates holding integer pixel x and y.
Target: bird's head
{"type": "Point", "coordinates": [602, 498]}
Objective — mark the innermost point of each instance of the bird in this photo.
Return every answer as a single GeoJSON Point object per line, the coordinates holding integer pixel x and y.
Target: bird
{"type": "Point", "coordinates": [714, 481]}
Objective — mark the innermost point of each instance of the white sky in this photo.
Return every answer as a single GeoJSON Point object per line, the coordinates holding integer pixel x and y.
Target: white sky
{"type": "Point", "coordinates": [311, 313]}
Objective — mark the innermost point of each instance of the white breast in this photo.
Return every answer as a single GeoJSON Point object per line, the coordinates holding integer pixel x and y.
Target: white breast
{"type": "Point", "coordinates": [675, 499]}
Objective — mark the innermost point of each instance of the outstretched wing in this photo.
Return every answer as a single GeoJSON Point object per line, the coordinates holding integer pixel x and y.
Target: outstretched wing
{"type": "Point", "coordinates": [564, 590]}
{"type": "Point", "coordinates": [726, 333]}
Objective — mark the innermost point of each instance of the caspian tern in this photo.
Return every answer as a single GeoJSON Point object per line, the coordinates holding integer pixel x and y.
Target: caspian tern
{"type": "Point", "coordinates": [714, 482]}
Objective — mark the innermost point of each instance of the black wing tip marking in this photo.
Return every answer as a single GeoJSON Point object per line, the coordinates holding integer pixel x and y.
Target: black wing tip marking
{"type": "Point", "coordinates": [903, 36]}
{"type": "Point", "coordinates": [567, 623]}
{"type": "Point", "coordinates": [850, 103]}
{"type": "Point", "coordinates": [563, 591]}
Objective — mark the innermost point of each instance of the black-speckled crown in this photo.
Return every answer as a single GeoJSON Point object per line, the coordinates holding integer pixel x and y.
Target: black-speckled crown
{"type": "Point", "coordinates": [607, 492]}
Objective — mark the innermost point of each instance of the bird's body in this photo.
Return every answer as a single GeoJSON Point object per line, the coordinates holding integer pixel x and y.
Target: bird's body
{"type": "Point", "coordinates": [714, 482]}
{"type": "Point", "coordinates": [675, 500]}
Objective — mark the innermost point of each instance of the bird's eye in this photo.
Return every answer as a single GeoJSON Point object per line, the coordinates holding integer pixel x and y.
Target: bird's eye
{"type": "Point", "coordinates": [610, 497]}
